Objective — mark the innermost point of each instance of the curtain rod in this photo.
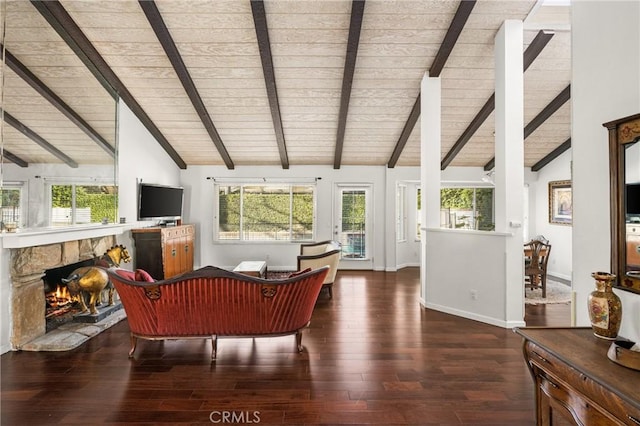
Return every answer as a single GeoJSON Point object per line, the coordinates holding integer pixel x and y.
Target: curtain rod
{"type": "Point", "coordinates": [263, 179]}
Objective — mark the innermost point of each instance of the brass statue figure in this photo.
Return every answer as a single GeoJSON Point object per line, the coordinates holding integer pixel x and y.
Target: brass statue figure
{"type": "Point", "coordinates": [94, 279]}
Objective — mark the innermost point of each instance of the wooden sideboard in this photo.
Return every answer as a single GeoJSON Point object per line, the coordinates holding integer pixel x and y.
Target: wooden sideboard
{"type": "Point", "coordinates": [575, 382]}
{"type": "Point", "coordinates": [164, 252]}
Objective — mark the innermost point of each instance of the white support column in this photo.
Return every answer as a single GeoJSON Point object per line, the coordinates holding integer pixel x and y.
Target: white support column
{"type": "Point", "coordinates": [509, 160]}
{"type": "Point", "coordinates": [430, 152]}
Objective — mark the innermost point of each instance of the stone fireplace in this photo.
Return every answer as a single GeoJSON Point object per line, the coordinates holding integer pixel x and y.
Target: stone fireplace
{"type": "Point", "coordinates": [28, 266]}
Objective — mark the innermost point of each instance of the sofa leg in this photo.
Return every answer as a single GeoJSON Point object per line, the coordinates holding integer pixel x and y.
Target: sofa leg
{"type": "Point", "coordinates": [330, 292]}
{"type": "Point", "coordinates": [299, 340]}
{"type": "Point", "coordinates": [134, 341]}
{"type": "Point", "coordinates": [214, 347]}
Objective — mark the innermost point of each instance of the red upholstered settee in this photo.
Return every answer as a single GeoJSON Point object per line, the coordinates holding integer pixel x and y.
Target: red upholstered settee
{"type": "Point", "coordinates": [211, 302]}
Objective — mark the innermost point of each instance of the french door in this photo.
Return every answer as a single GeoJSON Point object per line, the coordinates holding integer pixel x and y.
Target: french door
{"type": "Point", "coordinates": [352, 225]}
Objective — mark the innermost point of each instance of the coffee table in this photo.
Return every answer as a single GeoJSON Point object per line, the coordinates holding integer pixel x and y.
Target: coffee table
{"type": "Point", "coordinates": [254, 268]}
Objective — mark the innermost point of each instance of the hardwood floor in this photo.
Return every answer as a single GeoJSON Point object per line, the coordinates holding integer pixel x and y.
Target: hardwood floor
{"type": "Point", "coordinates": [373, 356]}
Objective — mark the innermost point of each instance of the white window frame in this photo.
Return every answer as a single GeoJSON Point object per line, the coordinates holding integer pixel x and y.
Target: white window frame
{"type": "Point", "coordinates": [50, 182]}
{"type": "Point", "coordinates": [21, 188]}
{"type": "Point", "coordinates": [418, 234]}
{"type": "Point", "coordinates": [401, 215]}
{"type": "Point", "coordinates": [261, 182]}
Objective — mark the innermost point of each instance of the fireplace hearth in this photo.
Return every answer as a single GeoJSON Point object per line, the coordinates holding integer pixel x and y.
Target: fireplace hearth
{"type": "Point", "coordinates": [42, 320]}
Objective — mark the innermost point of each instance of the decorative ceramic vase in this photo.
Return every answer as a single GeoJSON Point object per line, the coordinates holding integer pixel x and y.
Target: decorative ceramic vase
{"type": "Point", "coordinates": [605, 308]}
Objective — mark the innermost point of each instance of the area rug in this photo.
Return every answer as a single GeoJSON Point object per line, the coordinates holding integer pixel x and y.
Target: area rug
{"type": "Point", "coordinates": [556, 293]}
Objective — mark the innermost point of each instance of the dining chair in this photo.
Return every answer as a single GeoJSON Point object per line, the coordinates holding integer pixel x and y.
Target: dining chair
{"type": "Point", "coordinates": [536, 254]}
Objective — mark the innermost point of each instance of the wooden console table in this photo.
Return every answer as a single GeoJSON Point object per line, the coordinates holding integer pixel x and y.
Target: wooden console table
{"type": "Point", "coordinates": [575, 382]}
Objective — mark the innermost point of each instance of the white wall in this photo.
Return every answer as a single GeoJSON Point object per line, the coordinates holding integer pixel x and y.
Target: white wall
{"type": "Point", "coordinates": [453, 259]}
{"type": "Point", "coordinates": [140, 158]}
{"type": "Point", "coordinates": [281, 255]}
{"type": "Point", "coordinates": [559, 236]}
{"type": "Point", "coordinates": [605, 86]}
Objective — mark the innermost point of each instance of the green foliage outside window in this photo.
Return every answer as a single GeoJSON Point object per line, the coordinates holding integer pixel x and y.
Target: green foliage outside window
{"type": "Point", "coordinates": [267, 212]}
{"type": "Point", "coordinates": [353, 211]}
{"type": "Point", "coordinates": [10, 197]}
{"type": "Point", "coordinates": [10, 207]}
{"type": "Point", "coordinates": [101, 200]}
{"type": "Point", "coordinates": [463, 199]}
{"type": "Point", "coordinates": [456, 198]}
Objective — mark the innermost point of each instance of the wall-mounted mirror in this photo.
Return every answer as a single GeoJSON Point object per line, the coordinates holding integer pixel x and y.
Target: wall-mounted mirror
{"type": "Point", "coordinates": [624, 163]}
{"type": "Point", "coordinates": [57, 130]}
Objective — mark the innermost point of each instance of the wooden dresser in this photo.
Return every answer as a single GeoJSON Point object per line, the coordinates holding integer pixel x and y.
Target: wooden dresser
{"type": "Point", "coordinates": [575, 381]}
{"type": "Point", "coordinates": [164, 252]}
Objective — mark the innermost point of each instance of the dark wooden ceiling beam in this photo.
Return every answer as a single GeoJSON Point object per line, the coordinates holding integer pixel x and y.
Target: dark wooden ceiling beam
{"type": "Point", "coordinates": [446, 47]}
{"type": "Point", "coordinates": [73, 37]}
{"type": "Point", "coordinates": [448, 43]}
{"type": "Point", "coordinates": [43, 90]}
{"type": "Point", "coordinates": [552, 155]}
{"type": "Point", "coordinates": [19, 126]}
{"type": "Point", "coordinates": [536, 46]}
{"type": "Point", "coordinates": [406, 132]}
{"type": "Point", "coordinates": [56, 15]}
{"type": "Point", "coordinates": [7, 155]}
{"type": "Point", "coordinates": [548, 111]}
{"type": "Point", "coordinates": [539, 119]}
{"type": "Point", "coordinates": [264, 45]}
{"type": "Point", "coordinates": [472, 128]}
{"type": "Point", "coordinates": [355, 26]}
{"type": "Point", "coordinates": [162, 32]}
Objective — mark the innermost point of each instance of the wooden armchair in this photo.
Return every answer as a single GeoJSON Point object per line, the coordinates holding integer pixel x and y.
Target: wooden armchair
{"type": "Point", "coordinates": [317, 255]}
{"type": "Point", "coordinates": [536, 254]}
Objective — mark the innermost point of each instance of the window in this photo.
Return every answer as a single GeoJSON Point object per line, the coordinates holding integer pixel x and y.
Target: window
{"type": "Point", "coordinates": [467, 208]}
{"type": "Point", "coordinates": [279, 212]}
{"type": "Point", "coordinates": [73, 204]}
{"type": "Point", "coordinates": [401, 220]}
{"type": "Point", "coordinates": [10, 207]}
{"type": "Point", "coordinates": [418, 213]}
{"type": "Point", "coordinates": [353, 219]}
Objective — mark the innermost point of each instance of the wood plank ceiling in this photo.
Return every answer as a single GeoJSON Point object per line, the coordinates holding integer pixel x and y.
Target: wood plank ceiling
{"type": "Point", "coordinates": [288, 83]}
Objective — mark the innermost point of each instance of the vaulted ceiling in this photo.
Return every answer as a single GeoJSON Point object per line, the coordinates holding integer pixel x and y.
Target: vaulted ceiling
{"type": "Point", "coordinates": [285, 83]}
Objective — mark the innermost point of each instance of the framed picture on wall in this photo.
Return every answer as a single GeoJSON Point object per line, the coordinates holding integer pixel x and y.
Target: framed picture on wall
{"type": "Point", "coordinates": [560, 202]}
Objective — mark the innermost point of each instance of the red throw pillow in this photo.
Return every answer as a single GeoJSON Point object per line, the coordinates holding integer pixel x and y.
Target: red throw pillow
{"type": "Point", "coordinates": [126, 274]}
{"type": "Point", "coordinates": [295, 274]}
{"type": "Point", "coordinates": [142, 275]}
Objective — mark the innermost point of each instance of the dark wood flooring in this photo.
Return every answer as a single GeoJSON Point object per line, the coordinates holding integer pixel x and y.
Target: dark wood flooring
{"type": "Point", "coordinates": [373, 356]}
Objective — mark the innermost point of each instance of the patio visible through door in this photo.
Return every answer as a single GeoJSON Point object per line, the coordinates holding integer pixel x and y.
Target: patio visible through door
{"type": "Point", "coordinates": [352, 222]}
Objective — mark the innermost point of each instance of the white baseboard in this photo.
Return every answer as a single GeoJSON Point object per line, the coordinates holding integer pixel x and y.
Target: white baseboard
{"type": "Point", "coordinates": [408, 265]}
{"type": "Point", "coordinates": [473, 316]}
{"type": "Point", "coordinates": [4, 349]}
{"type": "Point", "coordinates": [559, 277]}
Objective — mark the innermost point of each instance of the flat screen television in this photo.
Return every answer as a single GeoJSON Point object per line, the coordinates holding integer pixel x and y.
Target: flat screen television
{"type": "Point", "coordinates": [159, 202]}
{"type": "Point", "coordinates": [632, 199]}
